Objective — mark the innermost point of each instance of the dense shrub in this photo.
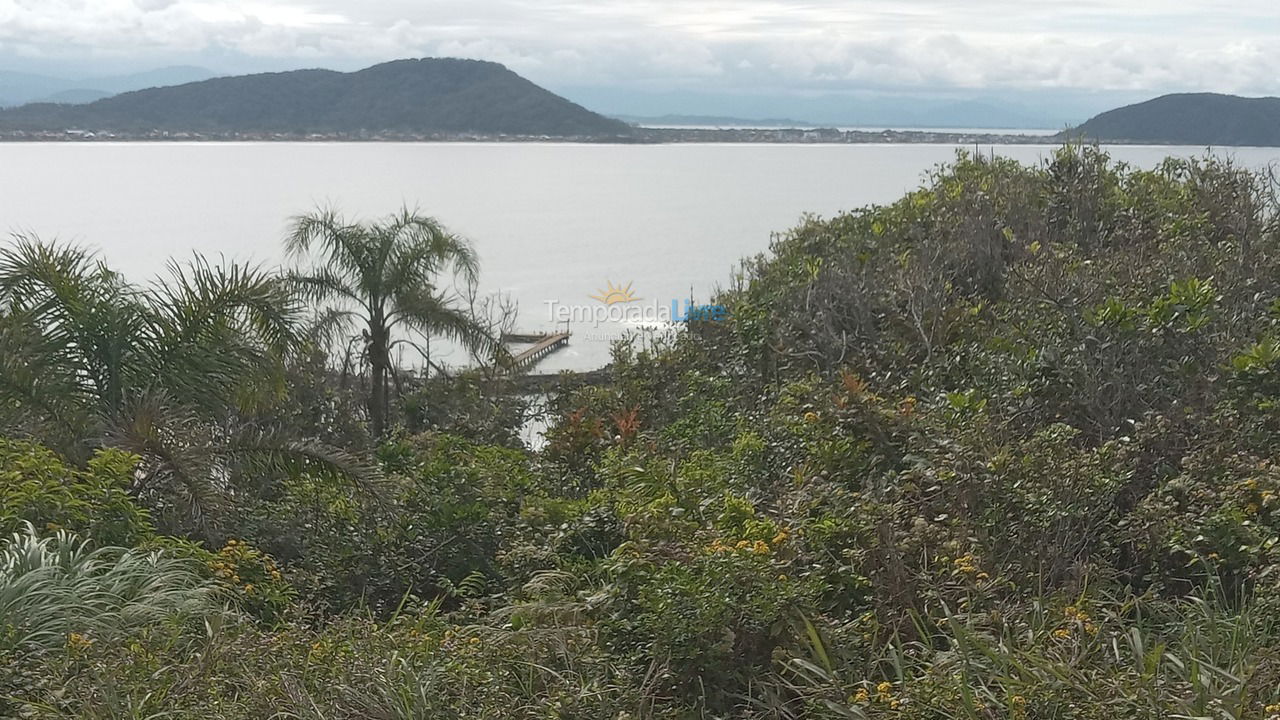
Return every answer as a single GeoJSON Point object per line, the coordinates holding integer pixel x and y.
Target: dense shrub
{"type": "Point", "coordinates": [40, 488]}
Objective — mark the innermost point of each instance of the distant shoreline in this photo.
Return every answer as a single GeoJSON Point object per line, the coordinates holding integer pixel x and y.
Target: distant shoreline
{"type": "Point", "coordinates": [641, 136]}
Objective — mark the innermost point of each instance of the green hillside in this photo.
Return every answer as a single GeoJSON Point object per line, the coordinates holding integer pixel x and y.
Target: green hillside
{"type": "Point", "coordinates": [1189, 119]}
{"type": "Point", "coordinates": [404, 96]}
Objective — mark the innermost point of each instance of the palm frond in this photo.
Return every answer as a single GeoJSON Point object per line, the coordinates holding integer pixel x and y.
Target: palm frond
{"type": "Point", "coordinates": [322, 284]}
{"type": "Point", "coordinates": [261, 453]}
{"type": "Point", "coordinates": [432, 315]}
{"type": "Point", "coordinates": [325, 236]}
{"type": "Point", "coordinates": [216, 326]}
{"type": "Point", "coordinates": [179, 472]}
{"type": "Point", "coordinates": [40, 395]}
{"type": "Point", "coordinates": [331, 328]}
{"type": "Point", "coordinates": [32, 270]}
{"type": "Point", "coordinates": [80, 317]}
{"type": "Point", "coordinates": [422, 248]}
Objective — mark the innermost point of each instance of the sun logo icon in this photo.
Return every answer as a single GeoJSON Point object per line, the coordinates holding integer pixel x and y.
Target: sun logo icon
{"type": "Point", "coordinates": [613, 294]}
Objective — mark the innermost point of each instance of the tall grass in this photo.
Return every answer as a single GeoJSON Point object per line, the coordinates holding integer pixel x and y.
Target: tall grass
{"type": "Point", "coordinates": [1190, 658]}
{"type": "Point", "coordinates": [54, 586]}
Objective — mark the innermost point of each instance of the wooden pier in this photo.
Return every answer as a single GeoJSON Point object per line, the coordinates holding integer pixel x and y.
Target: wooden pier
{"type": "Point", "coordinates": [543, 345]}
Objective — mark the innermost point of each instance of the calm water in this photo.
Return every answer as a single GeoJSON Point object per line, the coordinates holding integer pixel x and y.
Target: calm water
{"type": "Point", "coordinates": [550, 221]}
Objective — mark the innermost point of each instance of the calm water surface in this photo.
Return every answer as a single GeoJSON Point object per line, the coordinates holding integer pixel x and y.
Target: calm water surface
{"type": "Point", "coordinates": [550, 221]}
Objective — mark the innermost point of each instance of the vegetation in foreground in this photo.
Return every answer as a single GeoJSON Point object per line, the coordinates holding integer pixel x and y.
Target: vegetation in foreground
{"type": "Point", "coordinates": [1006, 448]}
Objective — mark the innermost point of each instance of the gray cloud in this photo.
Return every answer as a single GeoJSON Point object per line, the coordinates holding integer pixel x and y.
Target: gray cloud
{"type": "Point", "coordinates": [799, 46]}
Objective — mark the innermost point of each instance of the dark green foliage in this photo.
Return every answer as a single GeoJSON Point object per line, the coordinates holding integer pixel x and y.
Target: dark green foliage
{"type": "Point", "coordinates": [38, 487]}
{"type": "Point", "coordinates": [484, 409]}
{"type": "Point", "coordinates": [441, 519]}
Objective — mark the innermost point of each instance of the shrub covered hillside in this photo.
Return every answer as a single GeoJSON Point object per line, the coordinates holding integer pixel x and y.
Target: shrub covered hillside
{"type": "Point", "coordinates": [1006, 448]}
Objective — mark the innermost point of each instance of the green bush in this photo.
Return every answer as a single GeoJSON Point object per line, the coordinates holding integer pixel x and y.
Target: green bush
{"type": "Point", "coordinates": [38, 487]}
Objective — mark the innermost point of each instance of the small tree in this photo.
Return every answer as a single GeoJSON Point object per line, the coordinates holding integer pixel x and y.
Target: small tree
{"type": "Point", "coordinates": [384, 277]}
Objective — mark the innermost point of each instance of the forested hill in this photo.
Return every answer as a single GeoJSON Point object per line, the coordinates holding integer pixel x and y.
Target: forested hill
{"type": "Point", "coordinates": [1189, 119]}
{"type": "Point", "coordinates": [426, 96]}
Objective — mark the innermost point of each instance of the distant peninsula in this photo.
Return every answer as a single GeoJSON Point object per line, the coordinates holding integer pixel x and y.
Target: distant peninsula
{"type": "Point", "coordinates": [1188, 119]}
{"type": "Point", "coordinates": [424, 98]}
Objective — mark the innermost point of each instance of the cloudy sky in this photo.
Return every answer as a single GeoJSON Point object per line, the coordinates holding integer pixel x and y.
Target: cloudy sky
{"type": "Point", "coordinates": [760, 46]}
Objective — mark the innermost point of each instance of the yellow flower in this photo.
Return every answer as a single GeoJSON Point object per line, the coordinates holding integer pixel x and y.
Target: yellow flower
{"type": "Point", "coordinates": [1018, 700]}
{"type": "Point", "coordinates": [884, 690]}
{"type": "Point", "coordinates": [760, 547]}
{"type": "Point", "coordinates": [1273, 708]}
{"type": "Point", "coordinates": [811, 417]}
{"type": "Point", "coordinates": [777, 539]}
{"type": "Point", "coordinates": [907, 406]}
{"type": "Point", "coordinates": [76, 641]}
{"type": "Point", "coordinates": [861, 695]}
{"type": "Point", "coordinates": [983, 576]}
{"type": "Point", "coordinates": [249, 588]}
{"type": "Point", "coordinates": [1062, 633]}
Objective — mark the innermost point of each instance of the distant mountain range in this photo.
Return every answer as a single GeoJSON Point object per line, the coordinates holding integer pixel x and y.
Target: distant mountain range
{"type": "Point", "coordinates": [1189, 119]}
{"type": "Point", "coordinates": [23, 88]}
{"type": "Point", "coordinates": [426, 96]}
{"type": "Point", "coordinates": [435, 97]}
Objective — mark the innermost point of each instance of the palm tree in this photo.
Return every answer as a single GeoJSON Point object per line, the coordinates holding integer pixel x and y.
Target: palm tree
{"type": "Point", "coordinates": [91, 344]}
{"type": "Point", "coordinates": [384, 276]}
{"type": "Point", "coordinates": [169, 372]}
